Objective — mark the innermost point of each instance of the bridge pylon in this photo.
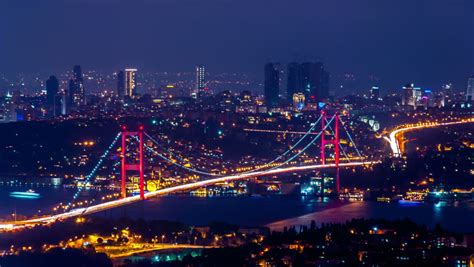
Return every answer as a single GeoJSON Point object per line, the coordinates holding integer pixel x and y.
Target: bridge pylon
{"type": "Point", "coordinates": [334, 141]}
{"type": "Point", "coordinates": [132, 167]}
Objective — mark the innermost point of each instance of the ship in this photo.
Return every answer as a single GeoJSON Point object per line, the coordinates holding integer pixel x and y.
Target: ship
{"type": "Point", "coordinates": [29, 194]}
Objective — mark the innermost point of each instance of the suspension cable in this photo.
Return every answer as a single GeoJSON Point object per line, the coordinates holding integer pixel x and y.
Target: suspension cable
{"type": "Point", "coordinates": [350, 137]}
{"type": "Point", "coordinates": [289, 150]}
{"type": "Point", "coordinates": [96, 167]}
{"type": "Point", "coordinates": [306, 147]}
{"type": "Point", "coordinates": [178, 165]}
{"type": "Point", "coordinates": [340, 146]}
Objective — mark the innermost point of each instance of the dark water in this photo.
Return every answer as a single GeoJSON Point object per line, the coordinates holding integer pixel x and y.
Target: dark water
{"type": "Point", "coordinates": [275, 211]}
{"type": "Point", "coordinates": [50, 196]}
{"type": "Point", "coordinates": [279, 211]}
{"type": "Point", "coordinates": [458, 218]}
{"type": "Point", "coordinates": [241, 210]}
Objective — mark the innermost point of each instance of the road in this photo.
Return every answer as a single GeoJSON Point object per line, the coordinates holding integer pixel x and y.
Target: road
{"type": "Point", "coordinates": [132, 199]}
{"type": "Point", "coordinates": [394, 135]}
{"type": "Point", "coordinates": [116, 252]}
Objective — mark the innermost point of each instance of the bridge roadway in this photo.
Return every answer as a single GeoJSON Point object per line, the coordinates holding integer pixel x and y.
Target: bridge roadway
{"type": "Point", "coordinates": [132, 199]}
{"type": "Point", "coordinates": [393, 137]}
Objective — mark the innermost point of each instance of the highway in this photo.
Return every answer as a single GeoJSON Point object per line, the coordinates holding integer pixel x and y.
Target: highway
{"type": "Point", "coordinates": [278, 131]}
{"type": "Point", "coordinates": [124, 251]}
{"type": "Point", "coordinates": [394, 140]}
{"type": "Point", "coordinates": [132, 199]}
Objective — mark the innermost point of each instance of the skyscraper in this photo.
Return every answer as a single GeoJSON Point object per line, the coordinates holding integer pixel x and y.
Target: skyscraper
{"type": "Point", "coordinates": [407, 98]}
{"type": "Point", "coordinates": [271, 84]}
{"type": "Point", "coordinates": [200, 85]}
{"type": "Point", "coordinates": [294, 83]}
{"type": "Point", "coordinates": [411, 95]}
{"type": "Point", "coordinates": [52, 98]}
{"type": "Point", "coordinates": [470, 89]}
{"type": "Point", "coordinates": [374, 92]}
{"type": "Point", "coordinates": [77, 93]}
{"type": "Point", "coordinates": [52, 89]}
{"type": "Point", "coordinates": [324, 86]}
{"type": "Point", "coordinates": [121, 84]}
{"type": "Point", "coordinates": [131, 82]}
{"type": "Point", "coordinates": [309, 78]}
{"type": "Point", "coordinates": [298, 101]}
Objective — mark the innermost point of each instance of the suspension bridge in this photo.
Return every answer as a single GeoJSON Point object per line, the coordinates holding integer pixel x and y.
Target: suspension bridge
{"type": "Point", "coordinates": [328, 138]}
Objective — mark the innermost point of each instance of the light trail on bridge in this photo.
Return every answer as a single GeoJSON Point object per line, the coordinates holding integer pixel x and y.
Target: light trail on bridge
{"type": "Point", "coordinates": [393, 137]}
{"type": "Point", "coordinates": [276, 131]}
{"type": "Point", "coordinates": [132, 199]}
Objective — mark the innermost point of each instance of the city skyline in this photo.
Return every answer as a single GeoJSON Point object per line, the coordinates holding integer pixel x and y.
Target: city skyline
{"type": "Point", "coordinates": [194, 133]}
{"type": "Point", "coordinates": [393, 43]}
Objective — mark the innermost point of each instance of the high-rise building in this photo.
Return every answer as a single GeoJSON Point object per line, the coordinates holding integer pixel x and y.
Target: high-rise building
{"type": "Point", "coordinates": [294, 83]}
{"type": "Point", "coordinates": [324, 86]}
{"type": "Point", "coordinates": [309, 78]}
{"type": "Point", "coordinates": [52, 97]}
{"type": "Point", "coordinates": [407, 99]}
{"type": "Point", "coordinates": [374, 92]}
{"type": "Point", "coordinates": [411, 95]}
{"type": "Point", "coordinates": [121, 84]}
{"type": "Point", "coordinates": [470, 89]}
{"type": "Point", "coordinates": [271, 84]}
{"type": "Point", "coordinates": [298, 101]}
{"type": "Point", "coordinates": [52, 89]}
{"type": "Point", "coordinates": [130, 82]}
{"type": "Point", "coordinates": [417, 94]}
{"type": "Point", "coordinates": [200, 86]}
{"type": "Point", "coordinates": [427, 100]}
{"type": "Point", "coordinates": [77, 93]}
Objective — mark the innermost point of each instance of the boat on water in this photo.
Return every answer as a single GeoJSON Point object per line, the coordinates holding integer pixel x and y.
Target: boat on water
{"type": "Point", "coordinates": [29, 194]}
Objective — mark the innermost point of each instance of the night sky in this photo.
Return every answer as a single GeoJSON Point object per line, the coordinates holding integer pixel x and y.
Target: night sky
{"type": "Point", "coordinates": [429, 42]}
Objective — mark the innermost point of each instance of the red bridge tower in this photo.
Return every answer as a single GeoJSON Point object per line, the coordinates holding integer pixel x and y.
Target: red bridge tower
{"type": "Point", "coordinates": [132, 167]}
{"type": "Point", "coordinates": [334, 142]}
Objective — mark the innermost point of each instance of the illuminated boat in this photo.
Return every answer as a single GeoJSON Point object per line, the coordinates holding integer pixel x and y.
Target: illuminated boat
{"type": "Point", "coordinates": [137, 193]}
{"type": "Point", "coordinates": [407, 202]}
{"type": "Point", "coordinates": [29, 194]}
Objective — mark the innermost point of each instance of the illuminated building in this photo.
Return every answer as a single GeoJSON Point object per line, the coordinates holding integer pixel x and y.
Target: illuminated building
{"type": "Point", "coordinates": [121, 84]}
{"type": "Point", "coordinates": [52, 89]}
{"type": "Point", "coordinates": [470, 89]}
{"type": "Point", "coordinates": [271, 84]}
{"type": "Point", "coordinates": [77, 94]}
{"type": "Point", "coordinates": [298, 101]}
{"type": "Point", "coordinates": [427, 100]}
{"type": "Point", "coordinates": [8, 112]}
{"type": "Point", "coordinates": [294, 83]}
{"type": "Point", "coordinates": [130, 82]}
{"type": "Point", "coordinates": [309, 78]}
{"type": "Point", "coordinates": [374, 92]}
{"type": "Point", "coordinates": [170, 91]}
{"type": "Point", "coordinates": [411, 95]}
{"type": "Point", "coordinates": [64, 104]}
{"type": "Point", "coordinates": [53, 100]}
{"type": "Point", "coordinates": [200, 86]}
{"type": "Point", "coordinates": [407, 99]}
{"type": "Point", "coordinates": [245, 97]}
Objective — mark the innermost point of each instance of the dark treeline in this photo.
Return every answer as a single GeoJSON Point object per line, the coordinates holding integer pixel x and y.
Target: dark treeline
{"type": "Point", "coordinates": [357, 242]}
